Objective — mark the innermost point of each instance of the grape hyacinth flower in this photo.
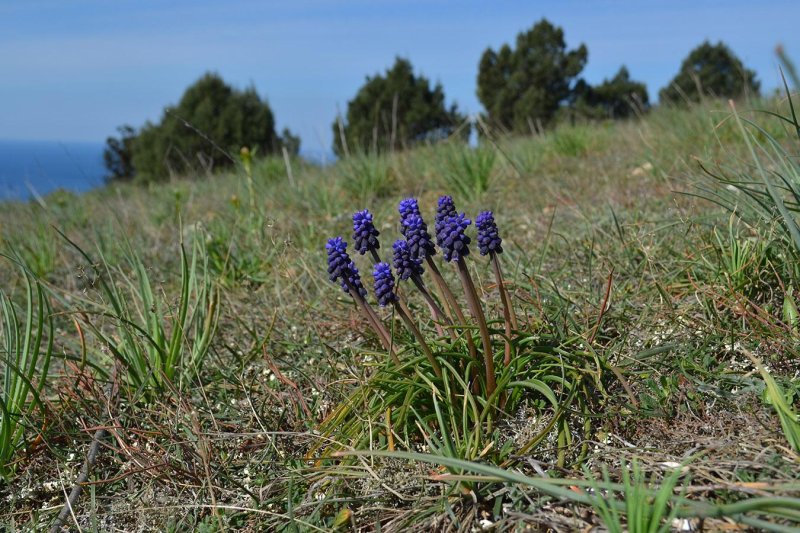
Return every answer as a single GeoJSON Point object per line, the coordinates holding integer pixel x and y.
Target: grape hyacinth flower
{"type": "Point", "coordinates": [490, 244]}
{"type": "Point", "coordinates": [410, 267]}
{"type": "Point", "coordinates": [421, 244]}
{"type": "Point", "coordinates": [405, 263]}
{"type": "Point", "coordinates": [455, 247]}
{"type": "Point", "coordinates": [384, 291]}
{"type": "Point", "coordinates": [489, 240]}
{"type": "Point", "coordinates": [384, 284]}
{"type": "Point", "coordinates": [419, 240]}
{"type": "Point", "coordinates": [338, 259]}
{"type": "Point", "coordinates": [409, 206]}
{"type": "Point", "coordinates": [452, 238]}
{"type": "Point", "coordinates": [353, 279]}
{"type": "Point", "coordinates": [365, 236]}
{"type": "Point", "coordinates": [343, 270]}
{"type": "Point", "coordinates": [445, 209]}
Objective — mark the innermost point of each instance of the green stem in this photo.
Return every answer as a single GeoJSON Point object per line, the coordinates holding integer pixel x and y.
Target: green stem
{"type": "Point", "coordinates": [443, 291]}
{"type": "Point", "coordinates": [438, 315]}
{"type": "Point", "coordinates": [402, 310]}
{"type": "Point", "coordinates": [375, 321]}
{"type": "Point", "coordinates": [477, 313]}
{"type": "Point", "coordinates": [451, 299]}
{"type": "Point", "coordinates": [377, 259]}
{"type": "Point", "coordinates": [508, 312]}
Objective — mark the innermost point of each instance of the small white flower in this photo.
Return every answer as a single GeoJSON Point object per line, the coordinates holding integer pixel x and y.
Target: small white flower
{"type": "Point", "coordinates": [486, 524]}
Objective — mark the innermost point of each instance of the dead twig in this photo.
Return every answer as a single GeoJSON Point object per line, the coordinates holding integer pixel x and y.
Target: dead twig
{"type": "Point", "coordinates": [88, 464]}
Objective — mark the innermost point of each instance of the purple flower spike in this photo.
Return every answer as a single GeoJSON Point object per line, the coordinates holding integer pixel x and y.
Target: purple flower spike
{"type": "Point", "coordinates": [419, 240]}
{"type": "Point", "coordinates": [341, 268]}
{"type": "Point", "coordinates": [414, 229]}
{"type": "Point", "coordinates": [365, 236]}
{"type": "Point", "coordinates": [453, 241]}
{"type": "Point", "coordinates": [354, 279]}
{"type": "Point", "coordinates": [338, 259]}
{"type": "Point", "coordinates": [409, 206]}
{"type": "Point", "coordinates": [384, 284]}
{"type": "Point", "coordinates": [489, 240]}
{"type": "Point", "coordinates": [404, 261]}
{"type": "Point", "coordinates": [444, 210]}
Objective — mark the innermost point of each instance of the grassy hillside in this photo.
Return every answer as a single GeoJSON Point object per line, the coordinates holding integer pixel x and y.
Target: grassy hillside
{"type": "Point", "coordinates": [201, 356]}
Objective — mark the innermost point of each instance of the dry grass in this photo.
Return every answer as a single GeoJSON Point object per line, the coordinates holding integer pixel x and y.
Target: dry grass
{"type": "Point", "coordinates": [228, 448]}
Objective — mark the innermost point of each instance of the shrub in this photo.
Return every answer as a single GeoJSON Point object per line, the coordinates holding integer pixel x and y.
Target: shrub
{"type": "Point", "coordinates": [710, 70]}
{"type": "Point", "coordinates": [394, 111]}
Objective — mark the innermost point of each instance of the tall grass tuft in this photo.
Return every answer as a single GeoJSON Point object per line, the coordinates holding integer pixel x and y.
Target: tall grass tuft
{"type": "Point", "coordinates": [765, 194]}
{"type": "Point", "coordinates": [765, 191]}
{"type": "Point", "coordinates": [469, 171]}
{"type": "Point", "coordinates": [158, 343]}
{"type": "Point", "coordinates": [782, 403]}
{"type": "Point", "coordinates": [367, 177]}
{"type": "Point", "coordinates": [645, 510]}
{"type": "Point", "coordinates": [26, 341]}
{"type": "Point", "coordinates": [571, 141]}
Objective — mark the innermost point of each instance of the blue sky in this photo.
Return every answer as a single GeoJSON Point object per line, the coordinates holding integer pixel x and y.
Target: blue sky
{"type": "Point", "coordinates": [74, 70]}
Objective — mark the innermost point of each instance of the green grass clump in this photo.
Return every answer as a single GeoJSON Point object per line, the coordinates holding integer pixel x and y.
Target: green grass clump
{"type": "Point", "coordinates": [366, 177]}
{"type": "Point", "coordinates": [160, 345]}
{"type": "Point", "coordinates": [193, 322]}
{"type": "Point", "coordinates": [643, 512]}
{"type": "Point", "coordinates": [26, 341]}
{"type": "Point", "coordinates": [764, 189]}
{"type": "Point", "coordinates": [468, 171]}
{"type": "Point", "coordinates": [411, 407]}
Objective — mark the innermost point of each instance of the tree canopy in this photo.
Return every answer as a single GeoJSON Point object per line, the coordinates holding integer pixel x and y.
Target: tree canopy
{"type": "Point", "coordinates": [618, 97]}
{"type": "Point", "coordinates": [118, 155]}
{"type": "Point", "coordinates": [211, 121]}
{"type": "Point", "coordinates": [710, 70]}
{"type": "Point", "coordinates": [395, 110]}
{"type": "Point", "coordinates": [521, 86]}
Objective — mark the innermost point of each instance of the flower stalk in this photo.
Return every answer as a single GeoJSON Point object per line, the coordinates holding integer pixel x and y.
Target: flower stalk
{"type": "Point", "coordinates": [453, 303]}
{"type": "Point", "coordinates": [375, 322]}
{"type": "Point", "coordinates": [477, 313]}
{"type": "Point", "coordinates": [438, 315]}
{"type": "Point", "coordinates": [454, 243]}
{"type": "Point", "coordinates": [405, 314]}
{"type": "Point", "coordinates": [509, 318]}
{"type": "Point", "coordinates": [491, 244]}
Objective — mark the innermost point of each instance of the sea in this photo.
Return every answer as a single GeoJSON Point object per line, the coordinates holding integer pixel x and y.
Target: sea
{"type": "Point", "coordinates": [31, 168]}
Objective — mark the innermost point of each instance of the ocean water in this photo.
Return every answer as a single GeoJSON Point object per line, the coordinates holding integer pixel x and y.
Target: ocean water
{"type": "Point", "coordinates": [44, 166]}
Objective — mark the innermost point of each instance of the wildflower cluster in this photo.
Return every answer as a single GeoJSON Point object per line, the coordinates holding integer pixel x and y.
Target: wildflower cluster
{"type": "Point", "coordinates": [406, 264]}
{"type": "Point", "coordinates": [365, 235]}
{"type": "Point", "coordinates": [384, 284]}
{"type": "Point", "coordinates": [410, 256]}
{"type": "Point", "coordinates": [489, 240]}
{"type": "Point", "coordinates": [452, 237]}
{"type": "Point", "coordinates": [341, 268]}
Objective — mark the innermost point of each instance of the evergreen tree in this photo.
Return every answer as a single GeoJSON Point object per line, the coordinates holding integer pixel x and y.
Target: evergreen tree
{"type": "Point", "coordinates": [710, 70]}
{"type": "Point", "coordinates": [395, 111]}
{"type": "Point", "coordinates": [619, 97]}
{"type": "Point", "coordinates": [118, 155]}
{"type": "Point", "coordinates": [528, 84]}
{"type": "Point", "coordinates": [211, 121]}
{"type": "Point", "coordinates": [290, 141]}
